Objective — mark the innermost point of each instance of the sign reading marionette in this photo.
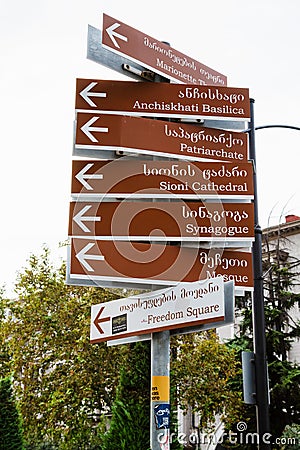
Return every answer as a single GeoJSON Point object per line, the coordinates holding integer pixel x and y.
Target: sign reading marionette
{"type": "Point", "coordinates": [157, 56]}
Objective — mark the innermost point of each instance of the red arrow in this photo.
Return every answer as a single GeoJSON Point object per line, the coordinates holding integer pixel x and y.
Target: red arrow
{"type": "Point", "coordinates": [97, 320]}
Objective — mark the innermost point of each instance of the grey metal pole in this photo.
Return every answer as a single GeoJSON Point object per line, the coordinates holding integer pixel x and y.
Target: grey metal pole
{"type": "Point", "coordinates": [160, 408]}
{"type": "Point", "coordinates": [160, 391]}
{"type": "Point", "coordinates": [259, 328]}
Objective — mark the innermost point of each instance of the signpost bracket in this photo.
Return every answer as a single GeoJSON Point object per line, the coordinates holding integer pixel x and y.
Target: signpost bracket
{"type": "Point", "coordinates": [146, 74]}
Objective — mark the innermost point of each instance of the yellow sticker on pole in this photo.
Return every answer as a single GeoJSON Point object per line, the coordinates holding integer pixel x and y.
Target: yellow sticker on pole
{"type": "Point", "coordinates": [160, 389]}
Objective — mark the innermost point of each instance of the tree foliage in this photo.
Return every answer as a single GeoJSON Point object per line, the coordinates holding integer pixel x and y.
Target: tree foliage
{"type": "Point", "coordinates": [66, 387]}
{"type": "Point", "coordinates": [129, 427]}
{"type": "Point", "coordinates": [62, 381]}
{"type": "Point", "coordinates": [203, 371]}
{"type": "Point", "coordinates": [290, 439]}
{"type": "Point", "coordinates": [11, 435]}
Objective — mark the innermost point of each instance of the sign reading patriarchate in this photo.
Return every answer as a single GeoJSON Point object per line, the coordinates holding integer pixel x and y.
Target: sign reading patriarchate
{"type": "Point", "coordinates": [156, 137]}
{"type": "Point", "coordinates": [162, 99]}
{"type": "Point", "coordinates": [157, 56]}
{"type": "Point", "coordinates": [184, 305]}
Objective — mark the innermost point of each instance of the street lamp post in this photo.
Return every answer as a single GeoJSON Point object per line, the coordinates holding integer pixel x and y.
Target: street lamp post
{"type": "Point", "coordinates": [259, 333]}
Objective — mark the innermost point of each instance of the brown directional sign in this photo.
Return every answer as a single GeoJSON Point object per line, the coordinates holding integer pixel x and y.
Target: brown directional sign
{"type": "Point", "coordinates": [99, 262]}
{"type": "Point", "coordinates": [157, 56]}
{"type": "Point", "coordinates": [162, 99]}
{"type": "Point", "coordinates": [160, 179]}
{"type": "Point", "coordinates": [161, 221]}
{"type": "Point", "coordinates": [158, 137]}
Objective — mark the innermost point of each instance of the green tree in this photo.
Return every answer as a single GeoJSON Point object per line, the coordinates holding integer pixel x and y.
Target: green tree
{"type": "Point", "coordinates": [129, 427]}
{"type": "Point", "coordinates": [63, 382]}
{"type": "Point", "coordinates": [5, 360]}
{"type": "Point", "coordinates": [203, 372]}
{"type": "Point", "coordinates": [67, 387]}
{"type": "Point", "coordinates": [290, 439]}
{"type": "Point", "coordinates": [11, 437]}
{"type": "Point", "coordinates": [130, 424]}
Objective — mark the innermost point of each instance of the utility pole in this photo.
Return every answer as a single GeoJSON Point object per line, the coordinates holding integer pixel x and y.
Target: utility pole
{"type": "Point", "coordinates": [259, 327]}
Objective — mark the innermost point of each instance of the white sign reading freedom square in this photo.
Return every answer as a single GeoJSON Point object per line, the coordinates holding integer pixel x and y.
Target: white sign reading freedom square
{"type": "Point", "coordinates": [180, 306]}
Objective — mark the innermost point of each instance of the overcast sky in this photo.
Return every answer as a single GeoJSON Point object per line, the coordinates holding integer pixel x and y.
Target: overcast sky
{"type": "Point", "coordinates": [43, 50]}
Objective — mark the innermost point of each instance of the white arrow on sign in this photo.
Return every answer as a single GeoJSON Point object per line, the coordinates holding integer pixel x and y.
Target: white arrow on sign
{"type": "Point", "coordinates": [87, 128]}
{"type": "Point", "coordinates": [113, 34]}
{"type": "Point", "coordinates": [86, 94]}
{"type": "Point", "coordinates": [82, 257]}
{"type": "Point", "coordinates": [80, 218]}
{"type": "Point", "coordinates": [82, 176]}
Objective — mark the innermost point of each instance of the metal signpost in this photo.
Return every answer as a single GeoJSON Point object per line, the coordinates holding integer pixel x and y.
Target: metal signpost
{"type": "Point", "coordinates": [130, 203]}
{"type": "Point", "coordinates": [185, 305]}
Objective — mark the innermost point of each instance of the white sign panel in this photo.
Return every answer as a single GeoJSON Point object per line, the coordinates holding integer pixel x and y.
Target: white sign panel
{"type": "Point", "coordinates": [184, 305]}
